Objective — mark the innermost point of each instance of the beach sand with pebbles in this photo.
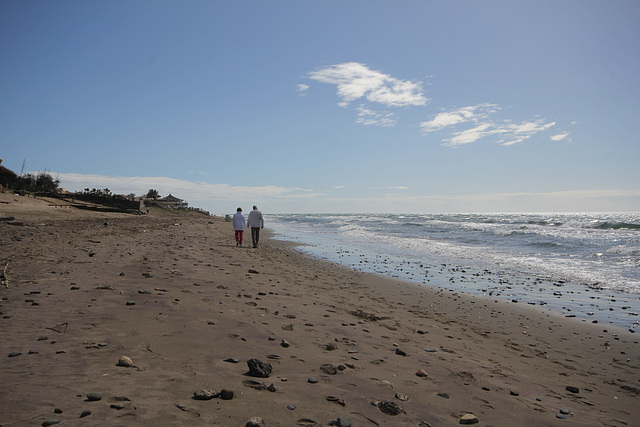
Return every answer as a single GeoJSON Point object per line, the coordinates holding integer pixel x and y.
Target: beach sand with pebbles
{"type": "Point", "coordinates": [172, 292]}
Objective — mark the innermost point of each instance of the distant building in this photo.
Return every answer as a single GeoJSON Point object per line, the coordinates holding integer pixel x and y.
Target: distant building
{"type": "Point", "coordinates": [172, 202]}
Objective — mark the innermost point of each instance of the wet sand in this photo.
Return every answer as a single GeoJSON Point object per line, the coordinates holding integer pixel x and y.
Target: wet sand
{"type": "Point", "coordinates": [174, 294]}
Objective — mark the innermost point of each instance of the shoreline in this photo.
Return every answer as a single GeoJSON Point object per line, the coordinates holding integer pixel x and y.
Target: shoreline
{"type": "Point", "coordinates": [174, 294]}
{"type": "Point", "coordinates": [567, 298]}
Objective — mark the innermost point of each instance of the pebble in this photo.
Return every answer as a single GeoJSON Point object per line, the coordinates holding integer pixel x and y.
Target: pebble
{"type": "Point", "coordinates": [565, 411]}
{"type": "Point", "coordinates": [226, 394]}
{"type": "Point", "coordinates": [341, 422]}
{"type": "Point", "coordinates": [469, 419]}
{"type": "Point", "coordinates": [335, 399]}
{"type": "Point", "coordinates": [94, 397]}
{"type": "Point", "coordinates": [258, 368]}
{"type": "Point", "coordinates": [284, 343]}
{"type": "Point", "coordinates": [256, 385]}
{"type": "Point", "coordinates": [207, 394]}
{"type": "Point", "coordinates": [400, 352]}
{"type": "Point", "coordinates": [572, 389]}
{"type": "Point", "coordinates": [51, 422]}
{"type": "Point", "coordinates": [85, 414]}
{"type": "Point", "coordinates": [291, 407]}
{"type": "Point", "coordinates": [15, 354]}
{"type": "Point", "coordinates": [131, 303]}
{"type": "Point", "coordinates": [422, 373]}
{"type": "Point", "coordinates": [254, 422]}
{"type": "Point", "coordinates": [312, 380]}
{"type": "Point", "coordinates": [231, 360]}
{"type": "Point", "coordinates": [125, 361]}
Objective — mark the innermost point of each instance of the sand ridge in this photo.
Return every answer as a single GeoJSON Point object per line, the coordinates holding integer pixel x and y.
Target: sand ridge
{"type": "Point", "coordinates": [174, 294]}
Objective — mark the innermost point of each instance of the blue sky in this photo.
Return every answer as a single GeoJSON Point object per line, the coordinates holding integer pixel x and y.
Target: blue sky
{"type": "Point", "coordinates": [329, 106]}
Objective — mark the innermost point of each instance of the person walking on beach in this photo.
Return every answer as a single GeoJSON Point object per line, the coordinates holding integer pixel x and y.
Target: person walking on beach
{"type": "Point", "coordinates": [256, 223]}
{"type": "Point", "coordinates": [238, 226]}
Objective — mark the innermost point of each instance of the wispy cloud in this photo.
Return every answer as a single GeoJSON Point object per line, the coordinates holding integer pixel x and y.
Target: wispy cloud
{"type": "Point", "coordinates": [302, 89]}
{"type": "Point", "coordinates": [469, 124]}
{"type": "Point", "coordinates": [370, 117]}
{"type": "Point", "coordinates": [559, 137]}
{"type": "Point", "coordinates": [613, 200]}
{"type": "Point", "coordinates": [188, 190]}
{"type": "Point", "coordinates": [355, 80]}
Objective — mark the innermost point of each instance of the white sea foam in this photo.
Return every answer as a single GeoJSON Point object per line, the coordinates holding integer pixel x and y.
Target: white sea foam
{"type": "Point", "coordinates": [587, 248]}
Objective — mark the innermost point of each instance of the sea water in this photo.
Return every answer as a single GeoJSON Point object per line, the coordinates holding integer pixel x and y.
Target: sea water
{"type": "Point", "coordinates": [581, 264]}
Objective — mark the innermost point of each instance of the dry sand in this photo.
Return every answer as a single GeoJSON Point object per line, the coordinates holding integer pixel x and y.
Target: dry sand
{"type": "Point", "coordinates": [173, 293]}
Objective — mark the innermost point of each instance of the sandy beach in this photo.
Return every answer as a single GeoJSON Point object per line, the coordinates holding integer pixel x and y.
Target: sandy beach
{"type": "Point", "coordinates": [172, 293]}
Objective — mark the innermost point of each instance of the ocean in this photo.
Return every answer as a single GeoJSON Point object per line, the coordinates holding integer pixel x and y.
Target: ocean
{"type": "Point", "coordinates": [584, 265]}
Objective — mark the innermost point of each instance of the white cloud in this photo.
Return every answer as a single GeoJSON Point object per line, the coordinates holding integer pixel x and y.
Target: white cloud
{"type": "Point", "coordinates": [559, 137]}
{"type": "Point", "coordinates": [464, 125]}
{"type": "Point", "coordinates": [188, 190]}
{"type": "Point", "coordinates": [355, 80]}
{"type": "Point", "coordinates": [338, 186]}
{"type": "Point", "coordinates": [525, 130]}
{"type": "Point", "coordinates": [370, 117]}
{"type": "Point", "coordinates": [469, 124]}
{"type": "Point", "coordinates": [468, 136]}
{"type": "Point", "coordinates": [223, 197]}
{"type": "Point", "coordinates": [613, 200]}
{"type": "Point", "coordinates": [302, 88]}
{"type": "Point", "coordinates": [474, 114]}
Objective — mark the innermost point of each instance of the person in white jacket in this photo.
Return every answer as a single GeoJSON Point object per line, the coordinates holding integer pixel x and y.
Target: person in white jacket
{"type": "Point", "coordinates": [256, 223]}
{"type": "Point", "coordinates": [238, 226]}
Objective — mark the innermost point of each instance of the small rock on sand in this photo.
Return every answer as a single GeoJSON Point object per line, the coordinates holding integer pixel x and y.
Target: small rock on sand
{"type": "Point", "coordinates": [422, 373]}
{"type": "Point", "coordinates": [226, 394]}
{"type": "Point", "coordinates": [341, 422]}
{"type": "Point", "coordinates": [125, 361]}
{"type": "Point", "coordinates": [258, 368]}
{"type": "Point", "coordinates": [207, 394]}
{"type": "Point", "coordinates": [469, 419]}
{"type": "Point", "coordinates": [254, 422]}
{"type": "Point", "coordinates": [94, 397]}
